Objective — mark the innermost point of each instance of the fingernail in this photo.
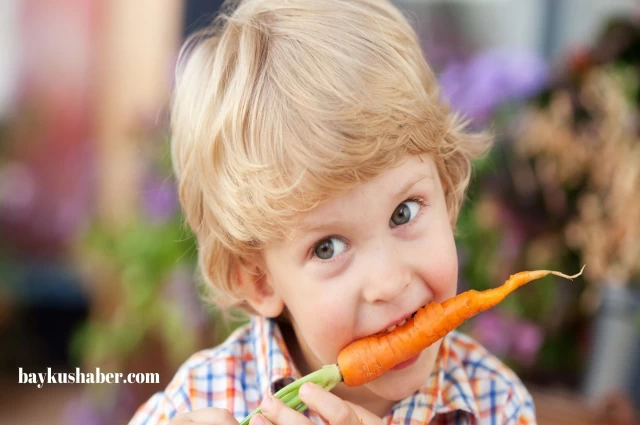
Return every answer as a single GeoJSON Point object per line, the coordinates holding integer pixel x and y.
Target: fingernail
{"type": "Point", "coordinates": [266, 403]}
{"type": "Point", "coordinates": [258, 420]}
{"type": "Point", "coordinates": [305, 389]}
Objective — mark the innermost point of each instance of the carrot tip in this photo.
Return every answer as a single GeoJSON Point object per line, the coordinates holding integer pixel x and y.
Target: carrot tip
{"type": "Point", "coordinates": [569, 277]}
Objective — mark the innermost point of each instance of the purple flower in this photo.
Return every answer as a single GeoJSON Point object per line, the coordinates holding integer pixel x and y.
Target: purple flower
{"type": "Point", "coordinates": [508, 337]}
{"type": "Point", "coordinates": [491, 78]}
{"type": "Point", "coordinates": [73, 204]}
{"type": "Point", "coordinates": [18, 190]}
{"type": "Point", "coordinates": [492, 331]}
{"type": "Point", "coordinates": [160, 201]}
{"type": "Point", "coordinates": [81, 411]}
{"type": "Point", "coordinates": [527, 339]}
{"type": "Point", "coordinates": [88, 410]}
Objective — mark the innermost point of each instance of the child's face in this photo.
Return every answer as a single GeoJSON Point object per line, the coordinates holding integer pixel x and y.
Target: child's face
{"type": "Point", "coordinates": [363, 261]}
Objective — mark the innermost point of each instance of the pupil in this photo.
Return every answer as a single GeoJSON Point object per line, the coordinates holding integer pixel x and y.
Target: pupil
{"type": "Point", "coordinates": [401, 215]}
{"type": "Point", "coordinates": [325, 250]}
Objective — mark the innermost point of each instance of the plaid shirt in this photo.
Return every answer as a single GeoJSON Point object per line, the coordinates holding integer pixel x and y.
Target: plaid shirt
{"type": "Point", "coordinates": [468, 385]}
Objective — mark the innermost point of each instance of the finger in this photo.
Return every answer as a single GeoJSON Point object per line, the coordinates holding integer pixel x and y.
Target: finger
{"type": "Point", "coordinates": [275, 411]}
{"type": "Point", "coordinates": [212, 415]}
{"type": "Point", "coordinates": [259, 420]}
{"type": "Point", "coordinates": [331, 407]}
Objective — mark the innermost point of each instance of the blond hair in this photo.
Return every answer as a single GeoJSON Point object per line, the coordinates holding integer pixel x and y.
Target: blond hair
{"type": "Point", "coordinates": [283, 104]}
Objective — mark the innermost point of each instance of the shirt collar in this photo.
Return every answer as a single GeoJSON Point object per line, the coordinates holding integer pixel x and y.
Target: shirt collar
{"type": "Point", "coordinates": [447, 389]}
{"type": "Point", "coordinates": [455, 392]}
{"type": "Point", "coordinates": [272, 356]}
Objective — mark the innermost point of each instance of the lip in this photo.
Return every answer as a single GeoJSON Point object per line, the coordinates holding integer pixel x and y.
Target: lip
{"type": "Point", "coordinates": [406, 363]}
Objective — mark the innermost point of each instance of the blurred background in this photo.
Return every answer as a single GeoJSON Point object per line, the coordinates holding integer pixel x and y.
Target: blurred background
{"type": "Point", "coordinates": [97, 269]}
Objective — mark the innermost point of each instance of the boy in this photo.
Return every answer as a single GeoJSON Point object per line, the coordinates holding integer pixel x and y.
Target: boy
{"type": "Point", "coordinates": [322, 177]}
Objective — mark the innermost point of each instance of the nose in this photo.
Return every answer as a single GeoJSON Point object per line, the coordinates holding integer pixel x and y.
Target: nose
{"type": "Point", "coordinates": [387, 274]}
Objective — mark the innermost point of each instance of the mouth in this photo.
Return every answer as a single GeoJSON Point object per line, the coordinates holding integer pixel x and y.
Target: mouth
{"type": "Point", "coordinates": [397, 324]}
{"type": "Point", "coordinates": [406, 363]}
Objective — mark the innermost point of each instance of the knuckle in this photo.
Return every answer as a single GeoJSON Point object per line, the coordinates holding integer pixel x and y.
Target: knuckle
{"type": "Point", "coordinates": [343, 414]}
{"type": "Point", "coordinates": [225, 415]}
{"type": "Point", "coordinates": [272, 411]}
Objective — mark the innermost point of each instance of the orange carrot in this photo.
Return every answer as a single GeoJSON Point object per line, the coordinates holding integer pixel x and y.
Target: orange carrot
{"type": "Point", "coordinates": [368, 358]}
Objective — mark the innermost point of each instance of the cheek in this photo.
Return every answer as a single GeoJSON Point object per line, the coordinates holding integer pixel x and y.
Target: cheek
{"type": "Point", "coordinates": [441, 270]}
{"type": "Point", "coordinates": [327, 327]}
{"type": "Point", "coordinates": [444, 279]}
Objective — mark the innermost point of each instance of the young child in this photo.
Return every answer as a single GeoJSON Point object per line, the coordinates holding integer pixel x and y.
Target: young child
{"type": "Point", "coordinates": [323, 175]}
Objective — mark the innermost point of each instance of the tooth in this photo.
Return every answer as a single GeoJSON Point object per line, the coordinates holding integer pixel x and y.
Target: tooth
{"type": "Point", "coordinates": [403, 322]}
{"type": "Point", "coordinates": [390, 329]}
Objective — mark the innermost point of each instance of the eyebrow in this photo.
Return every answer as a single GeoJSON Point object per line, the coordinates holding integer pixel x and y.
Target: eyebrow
{"type": "Point", "coordinates": [407, 186]}
{"type": "Point", "coordinates": [402, 192]}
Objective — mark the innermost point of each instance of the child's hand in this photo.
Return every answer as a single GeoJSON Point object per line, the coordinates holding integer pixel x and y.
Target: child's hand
{"type": "Point", "coordinates": [209, 416]}
{"type": "Point", "coordinates": [332, 408]}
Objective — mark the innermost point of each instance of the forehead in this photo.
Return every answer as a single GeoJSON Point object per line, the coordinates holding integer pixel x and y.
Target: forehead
{"type": "Point", "coordinates": [388, 187]}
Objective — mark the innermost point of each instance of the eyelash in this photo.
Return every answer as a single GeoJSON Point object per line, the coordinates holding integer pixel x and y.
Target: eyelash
{"type": "Point", "coordinates": [421, 201]}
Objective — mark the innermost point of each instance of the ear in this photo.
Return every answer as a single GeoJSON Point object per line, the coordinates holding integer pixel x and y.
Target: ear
{"type": "Point", "coordinates": [256, 284]}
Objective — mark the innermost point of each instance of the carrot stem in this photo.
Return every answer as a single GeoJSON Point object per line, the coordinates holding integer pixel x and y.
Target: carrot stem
{"type": "Point", "coordinates": [327, 377]}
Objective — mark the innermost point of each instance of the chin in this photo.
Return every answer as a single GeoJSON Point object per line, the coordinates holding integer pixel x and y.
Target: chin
{"type": "Point", "coordinates": [395, 391]}
{"type": "Point", "coordinates": [396, 385]}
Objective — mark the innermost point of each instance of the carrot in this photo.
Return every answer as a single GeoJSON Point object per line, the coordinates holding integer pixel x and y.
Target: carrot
{"type": "Point", "coordinates": [367, 358]}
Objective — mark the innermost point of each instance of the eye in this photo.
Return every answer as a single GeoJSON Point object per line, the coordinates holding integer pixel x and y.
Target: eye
{"type": "Point", "coordinates": [330, 247]}
{"type": "Point", "coordinates": [406, 211]}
